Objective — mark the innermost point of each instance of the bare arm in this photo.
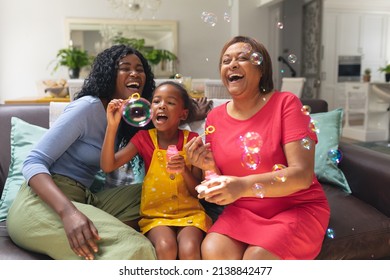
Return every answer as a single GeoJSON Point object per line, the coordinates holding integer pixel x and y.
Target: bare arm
{"type": "Point", "coordinates": [110, 160]}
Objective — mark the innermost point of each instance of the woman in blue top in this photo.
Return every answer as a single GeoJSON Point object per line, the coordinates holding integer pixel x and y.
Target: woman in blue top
{"type": "Point", "coordinates": [55, 212]}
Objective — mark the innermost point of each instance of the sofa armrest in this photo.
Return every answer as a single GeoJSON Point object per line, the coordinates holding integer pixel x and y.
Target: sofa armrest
{"type": "Point", "coordinates": [368, 175]}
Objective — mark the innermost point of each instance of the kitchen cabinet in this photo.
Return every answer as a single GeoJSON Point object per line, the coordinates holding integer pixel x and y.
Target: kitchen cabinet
{"type": "Point", "coordinates": [348, 33]}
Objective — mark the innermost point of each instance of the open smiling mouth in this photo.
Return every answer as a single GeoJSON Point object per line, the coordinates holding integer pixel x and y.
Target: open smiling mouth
{"type": "Point", "coordinates": [133, 85]}
{"type": "Point", "coordinates": [235, 77]}
{"type": "Point", "coordinates": [161, 118]}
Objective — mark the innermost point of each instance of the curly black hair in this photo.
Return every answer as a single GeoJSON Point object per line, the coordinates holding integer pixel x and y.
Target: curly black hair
{"type": "Point", "coordinates": [102, 77]}
{"type": "Point", "coordinates": [101, 81]}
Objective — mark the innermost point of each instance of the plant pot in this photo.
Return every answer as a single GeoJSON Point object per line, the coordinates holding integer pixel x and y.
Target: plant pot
{"type": "Point", "coordinates": [366, 78]}
{"type": "Point", "coordinates": [387, 77]}
{"type": "Point", "coordinates": [74, 73]}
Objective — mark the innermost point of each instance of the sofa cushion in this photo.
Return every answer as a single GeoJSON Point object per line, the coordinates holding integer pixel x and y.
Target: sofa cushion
{"type": "Point", "coordinates": [329, 128]}
{"type": "Point", "coordinates": [37, 114]}
{"type": "Point", "coordinates": [23, 138]}
{"type": "Point", "coordinates": [9, 251]}
{"type": "Point", "coordinates": [359, 231]}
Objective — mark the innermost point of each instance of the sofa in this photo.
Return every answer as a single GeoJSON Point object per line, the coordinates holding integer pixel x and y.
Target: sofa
{"type": "Point", "coordinates": [359, 225]}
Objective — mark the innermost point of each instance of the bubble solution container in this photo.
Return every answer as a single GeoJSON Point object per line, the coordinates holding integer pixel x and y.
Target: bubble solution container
{"type": "Point", "coordinates": [136, 111]}
{"type": "Point", "coordinates": [171, 151]}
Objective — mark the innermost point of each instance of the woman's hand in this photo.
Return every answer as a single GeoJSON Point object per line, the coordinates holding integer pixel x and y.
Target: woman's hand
{"type": "Point", "coordinates": [221, 190]}
{"type": "Point", "coordinates": [114, 112]}
{"type": "Point", "coordinates": [82, 234]}
{"type": "Point", "coordinates": [199, 154]}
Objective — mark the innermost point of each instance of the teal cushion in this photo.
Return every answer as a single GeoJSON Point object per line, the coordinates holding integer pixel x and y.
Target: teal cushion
{"type": "Point", "coordinates": [23, 138]}
{"type": "Point", "coordinates": [329, 128]}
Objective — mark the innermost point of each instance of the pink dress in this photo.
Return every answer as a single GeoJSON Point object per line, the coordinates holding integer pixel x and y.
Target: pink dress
{"type": "Point", "coordinates": [291, 227]}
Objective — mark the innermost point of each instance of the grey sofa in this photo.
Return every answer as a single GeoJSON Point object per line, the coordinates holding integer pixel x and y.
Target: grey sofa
{"type": "Point", "coordinates": [360, 220]}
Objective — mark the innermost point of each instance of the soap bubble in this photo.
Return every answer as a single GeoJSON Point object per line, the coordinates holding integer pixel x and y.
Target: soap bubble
{"type": "Point", "coordinates": [306, 110]}
{"type": "Point", "coordinates": [247, 48]}
{"type": "Point", "coordinates": [226, 17]}
{"type": "Point", "coordinates": [306, 143]}
{"type": "Point", "coordinates": [258, 190]}
{"type": "Point", "coordinates": [136, 111]}
{"type": "Point", "coordinates": [178, 77]}
{"type": "Point", "coordinates": [250, 160]}
{"type": "Point", "coordinates": [280, 173]}
{"type": "Point", "coordinates": [256, 58]}
{"type": "Point", "coordinates": [209, 18]}
{"type": "Point", "coordinates": [335, 156]}
{"type": "Point", "coordinates": [330, 233]}
{"type": "Point", "coordinates": [280, 25]}
{"type": "Point", "coordinates": [251, 142]}
{"type": "Point", "coordinates": [292, 58]}
{"type": "Point", "coordinates": [313, 126]}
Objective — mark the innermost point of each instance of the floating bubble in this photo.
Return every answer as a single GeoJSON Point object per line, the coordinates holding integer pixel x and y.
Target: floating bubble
{"type": "Point", "coordinates": [258, 190]}
{"type": "Point", "coordinates": [226, 17]}
{"type": "Point", "coordinates": [251, 142]}
{"type": "Point", "coordinates": [292, 58]}
{"type": "Point", "coordinates": [313, 126]}
{"type": "Point", "coordinates": [209, 18]}
{"type": "Point", "coordinates": [335, 156]}
{"type": "Point", "coordinates": [306, 143]}
{"type": "Point", "coordinates": [280, 173]}
{"type": "Point", "coordinates": [280, 25]}
{"type": "Point", "coordinates": [306, 110]}
{"type": "Point", "coordinates": [256, 58]}
{"type": "Point", "coordinates": [247, 48]}
{"type": "Point", "coordinates": [330, 233]}
{"type": "Point", "coordinates": [136, 111]}
{"type": "Point", "coordinates": [250, 160]}
{"type": "Point", "coordinates": [178, 76]}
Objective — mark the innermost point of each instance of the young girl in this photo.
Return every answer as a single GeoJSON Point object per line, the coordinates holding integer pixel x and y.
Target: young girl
{"type": "Point", "coordinates": [172, 216]}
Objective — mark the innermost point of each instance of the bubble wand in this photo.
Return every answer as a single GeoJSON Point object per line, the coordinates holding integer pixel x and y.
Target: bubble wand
{"type": "Point", "coordinates": [210, 129]}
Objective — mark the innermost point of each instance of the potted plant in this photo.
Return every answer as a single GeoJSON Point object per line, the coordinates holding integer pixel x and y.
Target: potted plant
{"type": "Point", "coordinates": [367, 75]}
{"type": "Point", "coordinates": [386, 70]}
{"type": "Point", "coordinates": [73, 58]}
{"type": "Point", "coordinates": [154, 56]}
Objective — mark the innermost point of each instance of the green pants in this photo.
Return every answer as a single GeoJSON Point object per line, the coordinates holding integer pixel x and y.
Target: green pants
{"type": "Point", "coordinates": [33, 225]}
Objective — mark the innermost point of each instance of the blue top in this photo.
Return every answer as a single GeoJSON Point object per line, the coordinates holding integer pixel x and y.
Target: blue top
{"type": "Point", "coordinates": [72, 146]}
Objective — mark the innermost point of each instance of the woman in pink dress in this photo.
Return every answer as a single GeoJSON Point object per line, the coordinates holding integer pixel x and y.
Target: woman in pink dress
{"type": "Point", "coordinates": [263, 148]}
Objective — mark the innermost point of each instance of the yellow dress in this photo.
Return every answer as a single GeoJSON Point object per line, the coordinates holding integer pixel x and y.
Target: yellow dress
{"type": "Point", "coordinates": [165, 199]}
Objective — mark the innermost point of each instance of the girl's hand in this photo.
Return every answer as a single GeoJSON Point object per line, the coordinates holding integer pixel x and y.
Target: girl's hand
{"type": "Point", "coordinates": [176, 164]}
{"type": "Point", "coordinates": [221, 190]}
{"type": "Point", "coordinates": [114, 112]}
{"type": "Point", "coordinates": [82, 234]}
{"type": "Point", "coordinates": [199, 154]}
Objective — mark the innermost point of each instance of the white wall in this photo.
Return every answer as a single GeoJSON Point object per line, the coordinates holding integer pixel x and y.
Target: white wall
{"type": "Point", "coordinates": [33, 31]}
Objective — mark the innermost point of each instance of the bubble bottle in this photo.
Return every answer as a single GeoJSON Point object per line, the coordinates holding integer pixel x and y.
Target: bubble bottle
{"type": "Point", "coordinates": [136, 111]}
{"type": "Point", "coordinates": [171, 151]}
{"type": "Point", "coordinates": [209, 174]}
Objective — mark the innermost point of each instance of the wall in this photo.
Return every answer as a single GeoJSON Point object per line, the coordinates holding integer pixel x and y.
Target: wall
{"type": "Point", "coordinates": [33, 31]}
